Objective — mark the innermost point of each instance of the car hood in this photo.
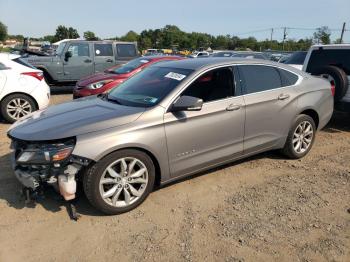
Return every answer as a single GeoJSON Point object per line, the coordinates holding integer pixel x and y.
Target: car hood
{"type": "Point", "coordinates": [70, 119]}
{"type": "Point", "coordinates": [98, 77]}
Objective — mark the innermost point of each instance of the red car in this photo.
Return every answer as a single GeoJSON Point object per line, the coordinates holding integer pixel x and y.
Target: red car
{"type": "Point", "coordinates": [112, 77]}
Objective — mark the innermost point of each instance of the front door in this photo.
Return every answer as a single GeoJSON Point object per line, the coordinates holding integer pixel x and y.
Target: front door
{"type": "Point", "coordinates": [104, 57]}
{"type": "Point", "coordinates": [198, 139]}
{"type": "Point", "coordinates": [80, 63]}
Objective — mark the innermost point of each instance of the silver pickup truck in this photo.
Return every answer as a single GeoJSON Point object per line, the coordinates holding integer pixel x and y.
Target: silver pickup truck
{"type": "Point", "coordinates": [75, 59]}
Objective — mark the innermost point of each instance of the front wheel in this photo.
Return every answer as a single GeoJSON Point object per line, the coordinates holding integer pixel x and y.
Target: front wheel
{"type": "Point", "coordinates": [300, 137]}
{"type": "Point", "coordinates": [120, 181]}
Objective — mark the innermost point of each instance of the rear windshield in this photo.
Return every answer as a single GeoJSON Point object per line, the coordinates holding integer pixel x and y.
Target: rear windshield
{"type": "Point", "coordinates": [128, 67]}
{"type": "Point", "coordinates": [296, 58]}
{"type": "Point", "coordinates": [23, 62]}
{"type": "Point", "coordinates": [321, 57]}
{"type": "Point", "coordinates": [149, 87]}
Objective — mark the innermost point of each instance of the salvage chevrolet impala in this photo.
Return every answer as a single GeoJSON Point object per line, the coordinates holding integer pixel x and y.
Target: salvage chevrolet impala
{"type": "Point", "coordinates": [169, 121]}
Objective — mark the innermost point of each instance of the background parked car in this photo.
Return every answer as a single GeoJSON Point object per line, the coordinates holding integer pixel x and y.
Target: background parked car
{"type": "Point", "coordinates": [296, 59]}
{"type": "Point", "coordinates": [241, 54]}
{"type": "Point", "coordinates": [22, 88]}
{"type": "Point", "coordinates": [199, 54]}
{"type": "Point", "coordinates": [75, 59]}
{"type": "Point", "coordinates": [101, 82]}
{"type": "Point", "coordinates": [333, 63]}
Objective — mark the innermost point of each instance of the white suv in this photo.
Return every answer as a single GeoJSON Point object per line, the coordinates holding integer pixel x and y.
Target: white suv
{"type": "Point", "coordinates": [332, 62]}
{"type": "Point", "coordinates": [22, 88]}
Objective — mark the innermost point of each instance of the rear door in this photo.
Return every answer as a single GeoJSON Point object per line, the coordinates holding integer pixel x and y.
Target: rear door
{"type": "Point", "coordinates": [80, 64]}
{"type": "Point", "coordinates": [271, 104]}
{"type": "Point", "coordinates": [125, 52]}
{"type": "Point", "coordinates": [104, 57]}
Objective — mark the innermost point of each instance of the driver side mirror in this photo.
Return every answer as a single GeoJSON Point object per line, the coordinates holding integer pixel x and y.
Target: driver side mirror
{"type": "Point", "coordinates": [67, 55]}
{"type": "Point", "coordinates": [187, 103]}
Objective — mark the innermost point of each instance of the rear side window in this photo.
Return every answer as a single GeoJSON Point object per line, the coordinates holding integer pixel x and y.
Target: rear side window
{"type": "Point", "coordinates": [103, 49]}
{"type": "Point", "coordinates": [288, 78]}
{"type": "Point", "coordinates": [324, 57]}
{"type": "Point", "coordinates": [2, 66]}
{"type": "Point", "coordinates": [258, 78]}
{"type": "Point", "coordinates": [126, 50]}
{"type": "Point", "coordinates": [23, 62]}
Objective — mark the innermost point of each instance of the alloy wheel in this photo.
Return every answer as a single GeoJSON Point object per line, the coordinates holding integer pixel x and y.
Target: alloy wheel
{"type": "Point", "coordinates": [18, 108]}
{"type": "Point", "coordinates": [123, 182]}
{"type": "Point", "coordinates": [302, 137]}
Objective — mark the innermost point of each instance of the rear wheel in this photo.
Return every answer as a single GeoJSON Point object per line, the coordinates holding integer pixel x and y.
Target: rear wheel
{"type": "Point", "coordinates": [300, 138]}
{"type": "Point", "coordinates": [119, 182]}
{"type": "Point", "coordinates": [17, 106]}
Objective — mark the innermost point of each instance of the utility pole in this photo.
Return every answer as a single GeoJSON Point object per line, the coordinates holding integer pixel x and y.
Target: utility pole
{"type": "Point", "coordinates": [342, 33]}
{"type": "Point", "coordinates": [284, 37]}
{"type": "Point", "coordinates": [271, 38]}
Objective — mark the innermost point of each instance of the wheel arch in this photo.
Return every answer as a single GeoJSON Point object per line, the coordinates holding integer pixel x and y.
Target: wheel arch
{"type": "Point", "coordinates": [313, 114]}
{"type": "Point", "coordinates": [158, 173]}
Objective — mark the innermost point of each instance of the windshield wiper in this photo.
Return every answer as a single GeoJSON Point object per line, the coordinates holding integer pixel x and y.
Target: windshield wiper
{"type": "Point", "coordinates": [110, 99]}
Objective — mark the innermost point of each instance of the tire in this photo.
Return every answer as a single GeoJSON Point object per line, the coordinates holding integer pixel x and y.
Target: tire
{"type": "Point", "coordinates": [98, 172]}
{"type": "Point", "coordinates": [340, 80]}
{"type": "Point", "coordinates": [290, 146]}
{"type": "Point", "coordinates": [10, 102]}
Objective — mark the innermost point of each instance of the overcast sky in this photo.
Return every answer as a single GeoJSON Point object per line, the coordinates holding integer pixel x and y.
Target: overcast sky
{"type": "Point", "coordinates": [108, 18]}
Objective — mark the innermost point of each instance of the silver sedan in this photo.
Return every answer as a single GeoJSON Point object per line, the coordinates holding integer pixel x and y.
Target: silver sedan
{"type": "Point", "coordinates": [169, 121]}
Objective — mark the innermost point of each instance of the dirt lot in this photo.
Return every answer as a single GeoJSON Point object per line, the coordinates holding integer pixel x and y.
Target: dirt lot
{"type": "Point", "coordinates": [264, 208]}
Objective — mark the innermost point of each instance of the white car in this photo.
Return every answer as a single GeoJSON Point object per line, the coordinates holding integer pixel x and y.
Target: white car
{"type": "Point", "coordinates": [199, 54]}
{"type": "Point", "coordinates": [22, 88]}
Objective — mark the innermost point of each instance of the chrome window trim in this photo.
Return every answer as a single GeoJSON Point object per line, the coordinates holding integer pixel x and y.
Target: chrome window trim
{"type": "Point", "coordinates": [198, 74]}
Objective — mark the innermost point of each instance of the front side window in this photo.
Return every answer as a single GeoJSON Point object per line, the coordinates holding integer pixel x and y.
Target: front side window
{"type": "Point", "coordinates": [103, 49]}
{"type": "Point", "coordinates": [213, 85]}
{"type": "Point", "coordinates": [149, 87]}
{"type": "Point", "coordinates": [126, 50]}
{"type": "Point", "coordinates": [79, 49]}
{"type": "Point", "coordinates": [258, 78]}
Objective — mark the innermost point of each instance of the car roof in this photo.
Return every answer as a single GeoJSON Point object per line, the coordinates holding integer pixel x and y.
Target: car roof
{"type": "Point", "coordinates": [332, 46]}
{"type": "Point", "coordinates": [196, 64]}
{"type": "Point", "coordinates": [160, 57]}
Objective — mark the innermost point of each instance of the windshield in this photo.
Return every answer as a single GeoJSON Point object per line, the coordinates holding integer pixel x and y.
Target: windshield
{"type": "Point", "coordinates": [128, 67]}
{"type": "Point", "coordinates": [296, 58]}
{"type": "Point", "coordinates": [149, 87]}
{"type": "Point", "coordinates": [60, 48]}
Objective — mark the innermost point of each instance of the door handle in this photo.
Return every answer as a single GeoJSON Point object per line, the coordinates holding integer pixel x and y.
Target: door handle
{"type": "Point", "coordinates": [87, 61]}
{"type": "Point", "coordinates": [233, 107]}
{"type": "Point", "coordinates": [109, 61]}
{"type": "Point", "coordinates": [283, 96]}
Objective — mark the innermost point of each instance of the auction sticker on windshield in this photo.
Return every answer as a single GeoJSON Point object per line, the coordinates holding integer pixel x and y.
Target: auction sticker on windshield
{"type": "Point", "coordinates": [175, 76]}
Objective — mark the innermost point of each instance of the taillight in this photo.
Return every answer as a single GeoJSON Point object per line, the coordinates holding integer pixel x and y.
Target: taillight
{"type": "Point", "coordinates": [332, 87]}
{"type": "Point", "coordinates": [37, 75]}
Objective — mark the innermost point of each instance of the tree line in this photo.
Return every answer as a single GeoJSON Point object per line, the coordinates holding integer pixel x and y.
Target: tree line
{"type": "Point", "coordinates": [172, 37]}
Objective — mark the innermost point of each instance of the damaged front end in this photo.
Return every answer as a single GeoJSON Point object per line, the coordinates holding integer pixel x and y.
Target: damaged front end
{"type": "Point", "coordinates": [37, 164]}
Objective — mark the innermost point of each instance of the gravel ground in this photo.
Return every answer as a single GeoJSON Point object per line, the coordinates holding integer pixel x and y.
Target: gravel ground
{"type": "Point", "coordinates": [264, 208]}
